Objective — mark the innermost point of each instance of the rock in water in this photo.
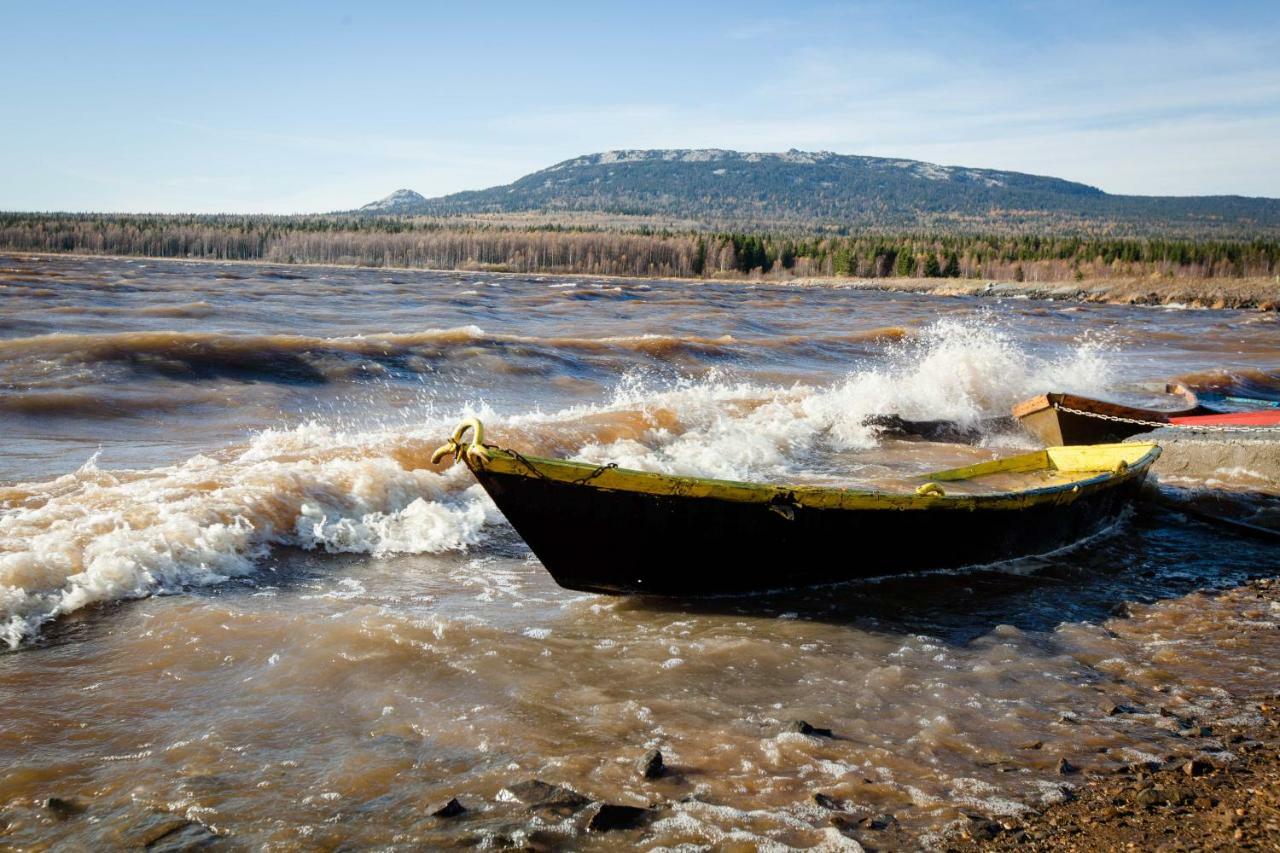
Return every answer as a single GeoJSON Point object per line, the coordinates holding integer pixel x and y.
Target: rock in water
{"type": "Point", "coordinates": [802, 727]}
{"type": "Point", "coordinates": [453, 808]}
{"type": "Point", "coordinates": [611, 816]}
{"type": "Point", "coordinates": [192, 836]}
{"type": "Point", "coordinates": [828, 802]}
{"type": "Point", "coordinates": [541, 796]}
{"type": "Point", "coordinates": [650, 765]}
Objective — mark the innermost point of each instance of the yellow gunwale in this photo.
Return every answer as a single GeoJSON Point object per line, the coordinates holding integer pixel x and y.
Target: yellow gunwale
{"type": "Point", "coordinates": [1099, 466]}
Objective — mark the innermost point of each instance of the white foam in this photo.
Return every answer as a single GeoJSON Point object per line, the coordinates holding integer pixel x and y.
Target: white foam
{"type": "Point", "coordinates": [96, 536]}
{"type": "Point", "coordinates": [959, 370]}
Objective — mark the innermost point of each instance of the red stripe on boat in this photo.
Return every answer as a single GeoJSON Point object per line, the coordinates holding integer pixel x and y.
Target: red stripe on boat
{"type": "Point", "coordinates": [1267, 418]}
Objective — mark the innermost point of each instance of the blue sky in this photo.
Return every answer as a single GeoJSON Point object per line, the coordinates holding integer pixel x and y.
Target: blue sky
{"type": "Point", "coordinates": [289, 107]}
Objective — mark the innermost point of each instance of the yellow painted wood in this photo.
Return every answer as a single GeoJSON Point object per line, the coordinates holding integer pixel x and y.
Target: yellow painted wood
{"type": "Point", "coordinates": [1037, 461]}
{"type": "Point", "coordinates": [1096, 457]}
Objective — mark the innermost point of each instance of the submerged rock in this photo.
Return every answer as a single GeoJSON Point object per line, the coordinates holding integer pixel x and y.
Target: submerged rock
{"type": "Point", "coordinates": [163, 832]}
{"type": "Point", "coordinates": [193, 836]}
{"type": "Point", "coordinates": [63, 808]}
{"type": "Point", "coordinates": [612, 816]}
{"type": "Point", "coordinates": [650, 765]}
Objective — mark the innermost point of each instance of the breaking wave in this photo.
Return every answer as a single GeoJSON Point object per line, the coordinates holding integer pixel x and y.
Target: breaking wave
{"type": "Point", "coordinates": [97, 536]}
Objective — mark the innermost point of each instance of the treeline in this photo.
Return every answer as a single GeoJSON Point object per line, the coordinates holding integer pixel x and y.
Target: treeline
{"type": "Point", "coordinates": [445, 244]}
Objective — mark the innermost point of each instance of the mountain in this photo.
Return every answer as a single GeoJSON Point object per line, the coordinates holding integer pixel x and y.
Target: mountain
{"type": "Point", "coordinates": [722, 188]}
{"type": "Point", "coordinates": [399, 202]}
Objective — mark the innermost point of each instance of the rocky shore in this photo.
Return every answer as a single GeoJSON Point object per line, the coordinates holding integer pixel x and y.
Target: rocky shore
{"type": "Point", "coordinates": [1186, 803]}
{"type": "Point", "coordinates": [1206, 798]}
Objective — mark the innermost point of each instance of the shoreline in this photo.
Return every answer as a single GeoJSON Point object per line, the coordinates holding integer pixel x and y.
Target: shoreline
{"type": "Point", "coordinates": [1242, 294]}
{"type": "Point", "coordinates": [1199, 797]}
{"type": "Point", "coordinates": [1245, 294]}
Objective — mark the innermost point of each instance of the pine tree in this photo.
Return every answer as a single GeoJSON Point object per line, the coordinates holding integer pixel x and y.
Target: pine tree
{"type": "Point", "coordinates": [842, 262]}
{"type": "Point", "coordinates": [931, 267]}
{"type": "Point", "coordinates": [952, 269]}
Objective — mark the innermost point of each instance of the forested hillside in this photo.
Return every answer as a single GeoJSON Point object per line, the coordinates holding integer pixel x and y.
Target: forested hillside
{"type": "Point", "coordinates": [796, 189]}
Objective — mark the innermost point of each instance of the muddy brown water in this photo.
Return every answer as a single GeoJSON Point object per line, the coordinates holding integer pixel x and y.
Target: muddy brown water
{"type": "Point", "coordinates": [233, 588]}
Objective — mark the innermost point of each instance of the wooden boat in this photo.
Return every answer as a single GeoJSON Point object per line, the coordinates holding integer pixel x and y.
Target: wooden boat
{"type": "Point", "coordinates": [1058, 419]}
{"type": "Point", "coordinates": [600, 528]}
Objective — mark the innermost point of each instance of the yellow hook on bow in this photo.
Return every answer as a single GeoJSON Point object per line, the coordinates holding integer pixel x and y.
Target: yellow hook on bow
{"type": "Point", "coordinates": [474, 451]}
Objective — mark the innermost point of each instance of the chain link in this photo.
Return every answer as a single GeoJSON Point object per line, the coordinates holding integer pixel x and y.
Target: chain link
{"type": "Point", "coordinates": [1164, 424]}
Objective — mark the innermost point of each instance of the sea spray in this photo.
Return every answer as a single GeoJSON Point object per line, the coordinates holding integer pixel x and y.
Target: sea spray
{"type": "Point", "coordinates": [962, 370]}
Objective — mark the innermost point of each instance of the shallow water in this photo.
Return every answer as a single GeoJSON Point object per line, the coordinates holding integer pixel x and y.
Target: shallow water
{"type": "Point", "coordinates": [349, 635]}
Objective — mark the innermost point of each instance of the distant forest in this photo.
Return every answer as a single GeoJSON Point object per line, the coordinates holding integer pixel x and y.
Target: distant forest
{"type": "Point", "coordinates": [544, 248]}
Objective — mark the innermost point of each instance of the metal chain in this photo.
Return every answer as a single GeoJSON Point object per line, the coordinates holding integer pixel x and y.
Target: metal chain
{"type": "Point", "coordinates": [586, 478]}
{"type": "Point", "coordinates": [1165, 424]}
{"type": "Point", "coordinates": [533, 469]}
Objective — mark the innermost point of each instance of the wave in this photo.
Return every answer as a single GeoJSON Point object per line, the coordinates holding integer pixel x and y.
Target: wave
{"type": "Point", "coordinates": [304, 359]}
{"type": "Point", "coordinates": [103, 402]}
{"type": "Point", "coordinates": [193, 310]}
{"type": "Point", "coordinates": [97, 536]}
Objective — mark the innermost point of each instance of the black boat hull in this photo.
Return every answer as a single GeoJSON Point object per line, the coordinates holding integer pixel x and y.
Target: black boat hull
{"type": "Point", "coordinates": [633, 542]}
